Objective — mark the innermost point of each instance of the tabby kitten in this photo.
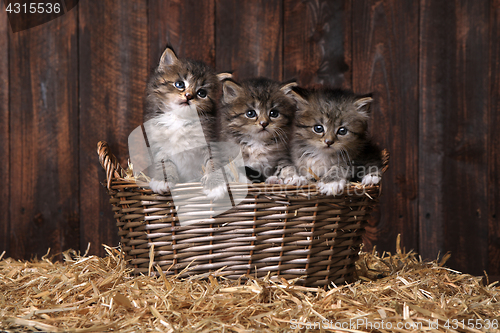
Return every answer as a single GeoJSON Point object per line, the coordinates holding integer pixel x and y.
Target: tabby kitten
{"type": "Point", "coordinates": [179, 120]}
{"type": "Point", "coordinates": [331, 141]}
{"type": "Point", "coordinates": [257, 115]}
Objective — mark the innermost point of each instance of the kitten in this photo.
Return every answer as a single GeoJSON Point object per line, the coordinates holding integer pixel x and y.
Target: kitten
{"type": "Point", "coordinates": [179, 117]}
{"type": "Point", "coordinates": [257, 115]}
{"type": "Point", "coordinates": [331, 140]}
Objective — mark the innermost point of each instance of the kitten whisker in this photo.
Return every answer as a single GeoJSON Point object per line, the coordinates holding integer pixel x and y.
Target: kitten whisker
{"type": "Point", "coordinates": [306, 153]}
{"type": "Point", "coordinates": [344, 158]}
{"type": "Point", "coordinates": [282, 136]}
{"type": "Point", "coordinates": [348, 157]}
{"type": "Point", "coordinates": [274, 137]}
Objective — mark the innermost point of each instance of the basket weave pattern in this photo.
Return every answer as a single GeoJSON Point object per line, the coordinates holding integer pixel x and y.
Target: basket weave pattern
{"type": "Point", "coordinates": [281, 230]}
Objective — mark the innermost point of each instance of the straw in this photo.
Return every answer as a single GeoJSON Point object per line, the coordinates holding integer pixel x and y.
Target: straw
{"type": "Point", "coordinates": [89, 294]}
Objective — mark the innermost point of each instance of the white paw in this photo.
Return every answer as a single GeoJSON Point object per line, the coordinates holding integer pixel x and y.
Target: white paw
{"type": "Point", "coordinates": [296, 180]}
{"type": "Point", "coordinates": [333, 188]}
{"type": "Point", "coordinates": [216, 193]}
{"type": "Point", "coordinates": [159, 186]}
{"type": "Point", "coordinates": [370, 179]}
{"type": "Point", "coordinates": [274, 180]}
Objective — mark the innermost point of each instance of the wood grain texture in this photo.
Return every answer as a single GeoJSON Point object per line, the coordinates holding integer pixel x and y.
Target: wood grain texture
{"type": "Point", "coordinates": [385, 62]}
{"type": "Point", "coordinates": [44, 208]}
{"type": "Point", "coordinates": [4, 133]}
{"type": "Point", "coordinates": [453, 141]}
{"type": "Point", "coordinates": [189, 29]}
{"type": "Point", "coordinates": [70, 4]}
{"type": "Point", "coordinates": [494, 141]}
{"type": "Point", "coordinates": [113, 71]}
{"type": "Point", "coordinates": [347, 44]}
{"type": "Point", "coordinates": [314, 41]}
{"type": "Point", "coordinates": [435, 96]}
{"type": "Point", "coordinates": [249, 38]}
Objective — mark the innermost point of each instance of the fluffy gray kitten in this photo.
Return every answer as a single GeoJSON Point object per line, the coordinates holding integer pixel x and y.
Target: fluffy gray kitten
{"type": "Point", "coordinates": [331, 141]}
{"type": "Point", "coordinates": [179, 117]}
{"type": "Point", "coordinates": [257, 115]}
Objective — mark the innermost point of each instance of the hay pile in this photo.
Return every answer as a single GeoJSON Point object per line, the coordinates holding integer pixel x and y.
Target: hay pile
{"type": "Point", "coordinates": [396, 292]}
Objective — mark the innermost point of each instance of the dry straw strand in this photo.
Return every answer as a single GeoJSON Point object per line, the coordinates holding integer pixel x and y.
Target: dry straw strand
{"type": "Point", "coordinates": [85, 293]}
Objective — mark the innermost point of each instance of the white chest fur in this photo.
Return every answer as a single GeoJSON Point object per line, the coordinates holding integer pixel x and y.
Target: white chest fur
{"type": "Point", "coordinates": [319, 164]}
{"type": "Point", "coordinates": [259, 156]}
{"type": "Point", "coordinates": [179, 138]}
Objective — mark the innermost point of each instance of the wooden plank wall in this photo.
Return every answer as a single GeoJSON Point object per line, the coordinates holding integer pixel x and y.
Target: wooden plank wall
{"type": "Point", "coordinates": [113, 62]}
{"type": "Point", "coordinates": [493, 140]}
{"type": "Point", "coordinates": [43, 120]}
{"type": "Point", "coordinates": [453, 144]}
{"type": "Point", "coordinates": [4, 134]}
{"type": "Point", "coordinates": [433, 67]}
{"type": "Point", "coordinates": [384, 46]}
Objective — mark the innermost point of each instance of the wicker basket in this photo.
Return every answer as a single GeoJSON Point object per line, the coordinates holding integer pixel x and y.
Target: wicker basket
{"type": "Point", "coordinates": [280, 230]}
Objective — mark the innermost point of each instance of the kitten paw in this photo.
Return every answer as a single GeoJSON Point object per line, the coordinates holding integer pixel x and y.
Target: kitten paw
{"type": "Point", "coordinates": [371, 179]}
{"type": "Point", "coordinates": [159, 186]}
{"type": "Point", "coordinates": [214, 185]}
{"type": "Point", "coordinates": [332, 188]}
{"type": "Point", "coordinates": [296, 180]}
{"type": "Point", "coordinates": [216, 193]}
{"type": "Point", "coordinates": [274, 180]}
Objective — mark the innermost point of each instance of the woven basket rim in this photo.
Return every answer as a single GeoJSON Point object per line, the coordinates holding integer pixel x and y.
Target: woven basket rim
{"type": "Point", "coordinates": [114, 171]}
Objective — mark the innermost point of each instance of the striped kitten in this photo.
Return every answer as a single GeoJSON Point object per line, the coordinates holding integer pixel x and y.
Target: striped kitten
{"type": "Point", "coordinates": [257, 115]}
{"type": "Point", "coordinates": [179, 120]}
{"type": "Point", "coordinates": [331, 141]}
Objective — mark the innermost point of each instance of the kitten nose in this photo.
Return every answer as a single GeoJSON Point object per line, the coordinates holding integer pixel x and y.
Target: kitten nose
{"type": "Point", "coordinates": [328, 142]}
{"type": "Point", "coordinates": [188, 96]}
{"type": "Point", "coordinates": [263, 123]}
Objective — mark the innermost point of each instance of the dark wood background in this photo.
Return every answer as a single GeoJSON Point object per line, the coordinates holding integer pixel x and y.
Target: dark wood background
{"type": "Point", "coordinates": [434, 67]}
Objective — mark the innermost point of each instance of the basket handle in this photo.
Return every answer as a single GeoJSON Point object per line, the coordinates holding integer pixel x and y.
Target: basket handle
{"type": "Point", "coordinates": [385, 160]}
{"type": "Point", "coordinates": [108, 161]}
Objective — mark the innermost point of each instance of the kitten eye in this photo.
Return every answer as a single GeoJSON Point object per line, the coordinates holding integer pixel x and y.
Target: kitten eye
{"type": "Point", "coordinates": [274, 113]}
{"type": "Point", "coordinates": [342, 131]}
{"type": "Point", "coordinates": [179, 85]}
{"type": "Point", "coordinates": [318, 128]}
{"type": "Point", "coordinates": [202, 93]}
{"type": "Point", "coordinates": [251, 114]}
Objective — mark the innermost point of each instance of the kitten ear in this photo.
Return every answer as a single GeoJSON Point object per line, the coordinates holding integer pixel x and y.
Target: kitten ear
{"type": "Point", "coordinates": [298, 95]}
{"type": "Point", "coordinates": [224, 76]}
{"type": "Point", "coordinates": [286, 88]}
{"type": "Point", "coordinates": [363, 103]}
{"type": "Point", "coordinates": [292, 90]}
{"type": "Point", "coordinates": [230, 91]}
{"type": "Point", "coordinates": [168, 58]}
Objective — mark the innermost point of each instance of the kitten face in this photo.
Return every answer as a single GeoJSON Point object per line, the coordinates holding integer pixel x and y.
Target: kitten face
{"type": "Point", "coordinates": [331, 123]}
{"type": "Point", "coordinates": [257, 115]}
{"type": "Point", "coordinates": [179, 83]}
{"type": "Point", "coordinates": [257, 110]}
